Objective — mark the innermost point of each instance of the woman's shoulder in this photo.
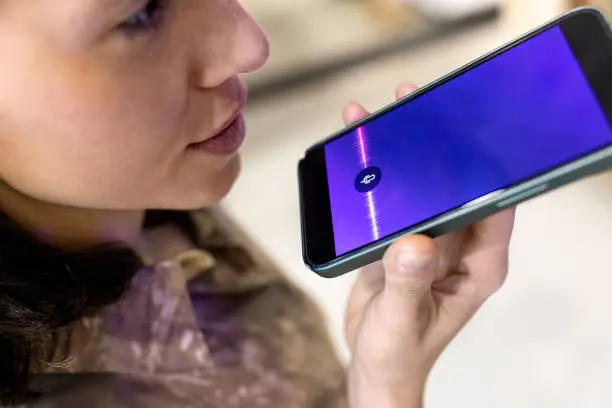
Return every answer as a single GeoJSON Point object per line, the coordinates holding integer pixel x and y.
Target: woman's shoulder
{"type": "Point", "coordinates": [223, 316]}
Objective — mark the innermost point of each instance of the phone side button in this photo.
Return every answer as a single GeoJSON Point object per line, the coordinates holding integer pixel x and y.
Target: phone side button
{"type": "Point", "coordinates": [522, 196]}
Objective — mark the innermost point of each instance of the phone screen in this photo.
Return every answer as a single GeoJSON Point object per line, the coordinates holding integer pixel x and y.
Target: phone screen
{"type": "Point", "coordinates": [518, 115]}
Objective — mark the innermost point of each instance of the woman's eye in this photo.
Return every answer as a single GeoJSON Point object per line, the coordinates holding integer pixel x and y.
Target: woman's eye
{"type": "Point", "coordinates": [148, 17]}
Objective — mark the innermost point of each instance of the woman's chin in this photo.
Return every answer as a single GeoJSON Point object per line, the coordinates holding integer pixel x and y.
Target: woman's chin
{"type": "Point", "coordinates": [211, 191]}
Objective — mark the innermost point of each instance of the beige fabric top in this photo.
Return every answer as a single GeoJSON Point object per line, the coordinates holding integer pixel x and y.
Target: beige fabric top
{"type": "Point", "coordinates": [214, 326]}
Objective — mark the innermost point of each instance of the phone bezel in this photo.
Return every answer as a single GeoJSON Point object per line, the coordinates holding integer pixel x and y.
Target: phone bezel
{"type": "Point", "coordinates": [587, 31]}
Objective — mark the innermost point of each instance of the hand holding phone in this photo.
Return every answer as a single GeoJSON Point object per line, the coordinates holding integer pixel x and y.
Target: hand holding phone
{"type": "Point", "coordinates": [527, 118]}
{"type": "Point", "coordinates": [404, 312]}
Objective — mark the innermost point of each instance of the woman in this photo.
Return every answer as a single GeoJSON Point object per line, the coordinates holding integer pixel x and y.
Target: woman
{"type": "Point", "coordinates": [110, 108]}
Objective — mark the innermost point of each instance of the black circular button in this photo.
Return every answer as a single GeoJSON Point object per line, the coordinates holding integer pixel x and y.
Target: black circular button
{"type": "Point", "coordinates": [368, 179]}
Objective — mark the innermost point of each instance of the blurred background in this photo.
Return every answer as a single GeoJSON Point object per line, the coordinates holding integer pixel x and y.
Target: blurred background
{"type": "Point", "coordinates": [546, 339]}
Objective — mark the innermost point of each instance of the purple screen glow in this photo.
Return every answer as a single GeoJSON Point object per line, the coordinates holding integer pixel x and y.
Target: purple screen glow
{"type": "Point", "coordinates": [518, 115]}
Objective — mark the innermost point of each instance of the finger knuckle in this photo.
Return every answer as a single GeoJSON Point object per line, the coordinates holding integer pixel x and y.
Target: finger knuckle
{"type": "Point", "coordinates": [494, 282]}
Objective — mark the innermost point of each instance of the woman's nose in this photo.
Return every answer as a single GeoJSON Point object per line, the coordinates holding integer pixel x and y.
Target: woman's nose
{"type": "Point", "coordinates": [237, 46]}
{"type": "Point", "coordinates": [252, 46]}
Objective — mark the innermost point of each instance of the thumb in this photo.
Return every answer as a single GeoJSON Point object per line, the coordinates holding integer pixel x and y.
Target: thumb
{"type": "Point", "coordinates": [410, 270]}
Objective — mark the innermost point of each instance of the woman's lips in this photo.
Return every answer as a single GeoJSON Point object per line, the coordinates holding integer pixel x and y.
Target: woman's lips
{"type": "Point", "coordinates": [227, 141]}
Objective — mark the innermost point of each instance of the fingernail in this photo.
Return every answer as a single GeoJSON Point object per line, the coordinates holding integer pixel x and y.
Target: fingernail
{"type": "Point", "coordinates": [411, 261]}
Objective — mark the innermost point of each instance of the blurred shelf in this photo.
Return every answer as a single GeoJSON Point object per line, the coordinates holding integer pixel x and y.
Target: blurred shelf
{"type": "Point", "coordinates": [311, 40]}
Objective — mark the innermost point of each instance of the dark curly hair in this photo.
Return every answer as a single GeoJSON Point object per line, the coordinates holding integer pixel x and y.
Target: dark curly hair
{"type": "Point", "coordinates": [44, 290]}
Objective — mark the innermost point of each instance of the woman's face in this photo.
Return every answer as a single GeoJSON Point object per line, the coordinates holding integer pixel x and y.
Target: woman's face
{"type": "Point", "coordinates": [102, 101]}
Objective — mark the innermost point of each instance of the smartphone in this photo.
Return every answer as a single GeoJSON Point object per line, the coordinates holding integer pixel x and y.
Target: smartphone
{"type": "Point", "coordinates": [527, 118]}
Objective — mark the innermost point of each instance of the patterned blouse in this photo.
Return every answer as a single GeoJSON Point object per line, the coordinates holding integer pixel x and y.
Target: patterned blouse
{"type": "Point", "coordinates": [215, 327]}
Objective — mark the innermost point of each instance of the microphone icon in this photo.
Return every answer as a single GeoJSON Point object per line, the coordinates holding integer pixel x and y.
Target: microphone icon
{"type": "Point", "coordinates": [368, 179]}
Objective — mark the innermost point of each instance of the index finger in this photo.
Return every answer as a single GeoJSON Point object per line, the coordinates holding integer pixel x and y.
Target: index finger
{"type": "Point", "coordinates": [354, 112]}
